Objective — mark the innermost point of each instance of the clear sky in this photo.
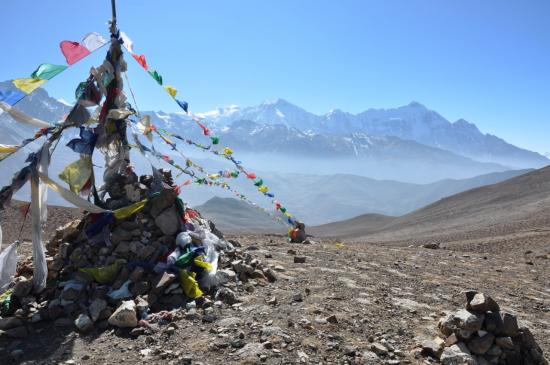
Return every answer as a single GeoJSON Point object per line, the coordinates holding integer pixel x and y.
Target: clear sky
{"type": "Point", "coordinates": [485, 61]}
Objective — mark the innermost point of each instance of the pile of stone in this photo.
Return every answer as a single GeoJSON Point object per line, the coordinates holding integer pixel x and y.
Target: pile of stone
{"type": "Point", "coordinates": [117, 272]}
{"type": "Point", "coordinates": [483, 334]}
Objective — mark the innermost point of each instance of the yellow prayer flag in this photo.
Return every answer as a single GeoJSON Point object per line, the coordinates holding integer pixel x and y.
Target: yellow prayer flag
{"type": "Point", "coordinates": [8, 148]}
{"type": "Point", "coordinates": [77, 173]}
{"type": "Point", "coordinates": [171, 90]}
{"type": "Point", "coordinates": [28, 85]}
{"type": "Point", "coordinates": [263, 189]}
{"type": "Point", "coordinates": [228, 151]}
{"type": "Point", "coordinates": [130, 209]}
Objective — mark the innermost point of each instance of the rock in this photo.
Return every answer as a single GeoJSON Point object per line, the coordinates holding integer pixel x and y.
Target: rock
{"type": "Point", "coordinates": [168, 221]}
{"type": "Point", "coordinates": [10, 322]}
{"type": "Point", "coordinates": [457, 355]}
{"type": "Point", "coordinates": [298, 297]}
{"type": "Point", "coordinates": [509, 325]}
{"type": "Point", "coordinates": [299, 259]}
{"type": "Point", "coordinates": [164, 200]}
{"type": "Point", "coordinates": [84, 323]}
{"type": "Point", "coordinates": [482, 303]}
{"type": "Point", "coordinates": [22, 288]}
{"type": "Point", "coordinates": [451, 340]}
{"type": "Point", "coordinates": [270, 275]}
{"type": "Point", "coordinates": [332, 319]}
{"type": "Point", "coordinates": [433, 347]}
{"type": "Point", "coordinates": [226, 276]}
{"type": "Point", "coordinates": [125, 315]}
{"type": "Point", "coordinates": [164, 280]}
{"type": "Point", "coordinates": [17, 354]}
{"type": "Point", "coordinates": [480, 345]}
{"type": "Point", "coordinates": [379, 349]}
{"type": "Point", "coordinates": [505, 343]}
{"type": "Point", "coordinates": [464, 323]}
{"type": "Point", "coordinates": [17, 332]}
{"type": "Point", "coordinates": [431, 245]}
{"type": "Point", "coordinates": [493, 322]}
{"type": "Point", "coordinates": [95, 308]}
{"type": "Point", "coordinates": [226, 295]}
{"type": "Point", "coordinates": [136, 332]}
{"type": "Point", "coordinates": [120, 234]}
{"type": "Point", "coordinates": [63, 322]}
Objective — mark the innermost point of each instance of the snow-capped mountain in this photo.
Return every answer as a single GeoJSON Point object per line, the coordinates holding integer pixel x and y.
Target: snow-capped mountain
{"type": "Point", "coordinates": [410, 122]}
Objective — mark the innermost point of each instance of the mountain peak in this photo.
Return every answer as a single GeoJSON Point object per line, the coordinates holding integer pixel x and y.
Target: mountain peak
{"type": "Point", "coordinates": [415, 104]}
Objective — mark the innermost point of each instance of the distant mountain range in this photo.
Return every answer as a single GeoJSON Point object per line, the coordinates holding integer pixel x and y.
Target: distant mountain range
{"type": "Point", "coordinates": [413, 122]}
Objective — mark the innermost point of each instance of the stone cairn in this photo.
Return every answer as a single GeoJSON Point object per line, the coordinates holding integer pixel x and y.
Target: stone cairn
{"type": "Point", "coordinates": [119, 276]}
{"type": "Point", "coordinates": [481, 334]}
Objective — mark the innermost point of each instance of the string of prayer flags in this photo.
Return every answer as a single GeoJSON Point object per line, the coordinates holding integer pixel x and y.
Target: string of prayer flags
{"type": "Point", "coordinates": [127, 42]}
{"type": "Point", "coordinates": [47, 71]}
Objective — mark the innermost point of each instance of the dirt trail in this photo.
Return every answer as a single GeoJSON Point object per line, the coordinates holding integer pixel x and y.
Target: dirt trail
{"type": "Point", "coordinates": [330, 309]}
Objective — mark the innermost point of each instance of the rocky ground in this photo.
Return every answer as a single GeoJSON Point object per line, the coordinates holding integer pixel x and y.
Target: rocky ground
{"type": "Point", "coordinates": [332, 303]}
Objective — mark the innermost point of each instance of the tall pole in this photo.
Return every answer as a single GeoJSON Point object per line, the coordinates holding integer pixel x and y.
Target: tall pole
{"type": "Point", "coordinates": [113, 20]}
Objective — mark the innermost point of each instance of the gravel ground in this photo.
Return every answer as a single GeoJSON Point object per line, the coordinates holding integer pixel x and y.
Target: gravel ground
{"type": "Point", "coordinates": [348, 303]}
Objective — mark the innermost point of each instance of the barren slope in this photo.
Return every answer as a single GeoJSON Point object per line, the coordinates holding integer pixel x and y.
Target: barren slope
{"type": "Point", "coordinates": [513, 211]}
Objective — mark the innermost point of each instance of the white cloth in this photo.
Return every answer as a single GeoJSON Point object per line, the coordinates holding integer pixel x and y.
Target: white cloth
{"type": "Point", "coordinates": [93, 41]}
{"type": "Point", "coordinates": [71, 197]}
{"type": "Point", "coordinates": [8, 266]}
{"type": "Point", "coordinates": [40, 273]}
{"type": "Point", "coordinates": [128, 44]}
{"type": "Point", "coordinates": [22, 117]}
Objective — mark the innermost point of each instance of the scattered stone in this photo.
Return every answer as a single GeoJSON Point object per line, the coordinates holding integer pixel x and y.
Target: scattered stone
{"type": "Point", "coordinates": [379, 349]}
{"type": "Point", "coordinates": [457, 354]}
{"type": "Point", "coordinates": [95, 308]}
{"type": "Point", "coordinates": [299, 259]}
{"type": "Point", "coordinates": [433, 347]}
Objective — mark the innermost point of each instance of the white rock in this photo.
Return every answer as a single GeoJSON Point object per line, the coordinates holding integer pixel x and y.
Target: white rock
{"type": "Point", "coordinates": [125, 315]}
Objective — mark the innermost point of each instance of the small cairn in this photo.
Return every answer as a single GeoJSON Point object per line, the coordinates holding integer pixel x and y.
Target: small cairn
{"type": "Point", "coordinates": [134, 271]}
{"type": "Point", "coordinates": [482, 334]}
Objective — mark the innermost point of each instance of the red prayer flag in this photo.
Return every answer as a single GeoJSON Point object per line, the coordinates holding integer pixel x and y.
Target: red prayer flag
{"type": "Point", "coordinates": [141, 60]}
{"type": "Point", "coordinates": [73, 51]}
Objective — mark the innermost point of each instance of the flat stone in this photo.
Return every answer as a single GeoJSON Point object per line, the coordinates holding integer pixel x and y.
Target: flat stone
{"type": "Point", "coordinates": [163, 281]}
{"type": "Point", "coordinates": [168, 221]}
{"type": "Point", "coordinates": [164, 200]}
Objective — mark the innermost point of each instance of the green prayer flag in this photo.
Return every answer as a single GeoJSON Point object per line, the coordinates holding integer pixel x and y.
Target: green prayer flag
{"type": "Point", "coordinates": [258, 182]}
{"type": "Point", "coordinates": [154, 74]}
{"type": "Point", "coordinates": [215, 140]}
{"type": "Point", "coordinates": [47, 71]}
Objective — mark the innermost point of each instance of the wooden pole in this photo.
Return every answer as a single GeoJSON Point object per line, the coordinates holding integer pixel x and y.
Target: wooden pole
{"type": "Point", "coordinates": [113, 20]}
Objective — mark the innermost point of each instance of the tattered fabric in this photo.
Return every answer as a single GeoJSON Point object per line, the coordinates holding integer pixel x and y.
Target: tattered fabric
{"type": "Point", "coordinates": [21, 117]}
{"type": "Point", "coordinates": [71, 197]}
{"type": "Point", "coordinates": [85, 144]}
{"type": "Point", "coordinates": [8, 265]}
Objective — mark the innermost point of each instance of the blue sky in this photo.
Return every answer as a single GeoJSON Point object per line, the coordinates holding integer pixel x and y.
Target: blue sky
{"type": "Point", "coordinates": [485, 61]}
